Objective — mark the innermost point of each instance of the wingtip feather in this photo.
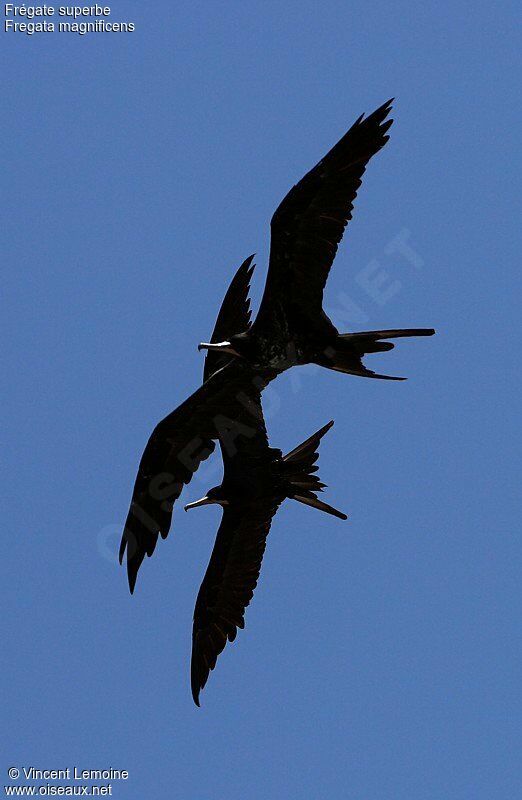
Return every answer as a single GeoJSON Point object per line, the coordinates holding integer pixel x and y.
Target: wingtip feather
{"type": "Point", "coordinates": [131, 577]}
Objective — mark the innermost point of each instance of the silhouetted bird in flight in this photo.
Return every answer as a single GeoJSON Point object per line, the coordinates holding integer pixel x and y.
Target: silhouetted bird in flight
{"type": "Point", "coordinates": [257, 478]}
{"type": "Point", "coordinates": [291, 328]}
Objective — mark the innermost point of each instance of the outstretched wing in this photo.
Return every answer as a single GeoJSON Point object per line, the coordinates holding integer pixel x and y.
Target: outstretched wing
{"type": "Point", "coordinates": [234, 566]}
{"type": "Point", "coordinates": [226, 407]}
{"type": "Point", "coordinates": [308, 225]}
{"type": "Point", "coordinates": [234, 316]}
{"type": "Point", "coordinates": [228, 585]}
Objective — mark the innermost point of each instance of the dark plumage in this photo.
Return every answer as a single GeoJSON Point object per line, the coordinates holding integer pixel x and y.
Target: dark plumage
{"type": "Point", "coordinates": [226, 407]}
{"type": "Point", "coordinates": [234, 315]}
{"type": "Point", "coordinates": [291, 326]}
{"type": "Point", "coordinates": [257, 478]}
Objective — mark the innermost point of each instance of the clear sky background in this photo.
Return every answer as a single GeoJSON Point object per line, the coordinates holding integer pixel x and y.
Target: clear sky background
{"type": "Point", "coordinates": [381, 656]}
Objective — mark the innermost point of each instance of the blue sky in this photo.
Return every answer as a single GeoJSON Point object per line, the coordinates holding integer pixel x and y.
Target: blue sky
{"type": "Point", "coordinates": [381, 656]}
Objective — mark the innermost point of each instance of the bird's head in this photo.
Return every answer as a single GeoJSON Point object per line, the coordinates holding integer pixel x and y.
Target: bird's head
{"type": "Point", "coordinates": [238, 345]}
{"type": "Point", "coordinates": [215, 495]}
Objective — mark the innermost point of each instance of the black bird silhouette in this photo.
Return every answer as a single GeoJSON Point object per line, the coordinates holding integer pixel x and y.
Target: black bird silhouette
{"type": "Point", "coordinates": [257, 479]}
{"type": "Point", "coordinates": [291, 326]}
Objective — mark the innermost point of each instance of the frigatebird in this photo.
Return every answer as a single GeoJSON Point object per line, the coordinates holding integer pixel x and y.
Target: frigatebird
{"type": "Point", "coordinates": [291, 326]}
{"type": "Point", "coordinates": [257, 479]}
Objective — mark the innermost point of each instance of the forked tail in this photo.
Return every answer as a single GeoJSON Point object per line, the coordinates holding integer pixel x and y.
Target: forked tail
{"type": "Point", "coordinates": [299, 466]}
{"type": "Point", "coordinates": [347, 353]}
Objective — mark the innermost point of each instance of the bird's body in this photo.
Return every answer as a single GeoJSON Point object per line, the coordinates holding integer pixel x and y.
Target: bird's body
{"type": "Point", "coordinates": [257, 479]}
{"type": "Point", "coordinates": [291, 327]}
{"type": "Point", "coordinates": [323, 346]}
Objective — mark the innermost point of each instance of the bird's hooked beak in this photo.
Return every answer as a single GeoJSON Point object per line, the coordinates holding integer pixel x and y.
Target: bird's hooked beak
{"type": "Point", "coordinates": [218, 347]}
{"type": "Point", "coordinates": [205, 501]}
